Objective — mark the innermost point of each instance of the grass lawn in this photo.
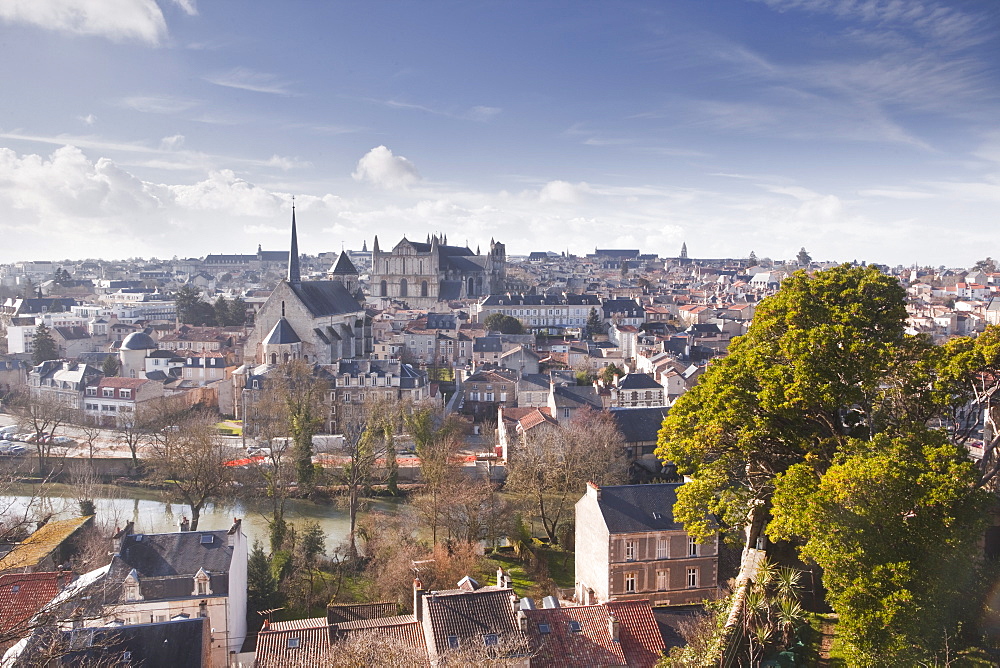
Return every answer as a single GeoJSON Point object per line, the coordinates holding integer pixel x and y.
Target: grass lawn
{"type": "Point", "coordinates": [529, 581]}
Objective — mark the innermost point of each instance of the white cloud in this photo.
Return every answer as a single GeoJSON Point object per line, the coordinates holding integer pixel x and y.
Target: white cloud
{"type": "Point", "coordinates": [380, 167]}
{"type": "Point", "coordinates": [172, 143]}
{"type": "Point", "coordinates": [118, 20]}
{"type": "Point", "coordinates": [188, 6]}
{"type": "Point", "coordinates": [246, 79]}
{"type": "Point", "coordinates": [89, 119]}
{"type": "Point", "coordinates": [159, 104]}
{"type": "Point", "coordinates": [562, 191]}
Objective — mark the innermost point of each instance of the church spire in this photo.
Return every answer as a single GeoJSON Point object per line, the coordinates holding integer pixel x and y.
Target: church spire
{"type": "Point", "coordinates": [294, 276]}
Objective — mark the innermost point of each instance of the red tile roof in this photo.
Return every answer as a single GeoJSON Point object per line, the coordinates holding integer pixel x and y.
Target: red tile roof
{"type": "Point", "coordinates": [639, 641]}
{"type": "Point", "coordinates": [127, 383]}
{"type": "Point", "coordinates": [22, 595]}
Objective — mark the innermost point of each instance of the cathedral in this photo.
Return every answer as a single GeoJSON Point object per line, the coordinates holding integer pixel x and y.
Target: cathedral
{"type": "Point", "coordinates": [423, 274]}
{"type": "Point", "coordinates": [320, 322]}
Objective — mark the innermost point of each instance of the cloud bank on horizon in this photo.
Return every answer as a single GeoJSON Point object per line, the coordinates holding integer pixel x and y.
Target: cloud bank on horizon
{"type": "Point", "coordinates": [858, 130]}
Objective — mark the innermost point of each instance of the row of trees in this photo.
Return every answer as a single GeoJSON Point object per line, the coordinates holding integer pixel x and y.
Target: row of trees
{"type": "Point", "coordinates": [828, 427]}
{"type": "Point", "coordinates": [193, 310]}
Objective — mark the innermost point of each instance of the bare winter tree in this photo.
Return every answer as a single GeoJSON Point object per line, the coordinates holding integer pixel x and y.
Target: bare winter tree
{"type": "Point", "coordinates": [549, 467]}
{"type": "Point", "coordinates": [192, 461]}
{"type": "Point", "coordinates": [42, 415]}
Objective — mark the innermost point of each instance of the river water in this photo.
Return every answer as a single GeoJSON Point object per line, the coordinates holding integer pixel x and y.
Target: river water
{"type": "Point", "coordinates": [151, 514]}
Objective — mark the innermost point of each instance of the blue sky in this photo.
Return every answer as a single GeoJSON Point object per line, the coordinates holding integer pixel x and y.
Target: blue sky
{"type": "Point", "coordinates": [859, 129]}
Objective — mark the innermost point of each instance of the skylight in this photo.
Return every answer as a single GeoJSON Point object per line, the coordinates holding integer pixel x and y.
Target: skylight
{"type": "Point", "coordinates": [294, 643]}
{"type": "Point", "coordinates": [490, 639]}
{"type": "Point", "coordinates": [453, 642]}
{"type": "Point", "coordinates": [544, 628]}
{"type": "Point", "coordinates": [207, 539]}
{"type": "Point", "coordinates": [574, 626]}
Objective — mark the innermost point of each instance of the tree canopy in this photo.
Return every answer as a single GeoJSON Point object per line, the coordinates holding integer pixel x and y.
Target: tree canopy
{"type": "Point", "coordinates": [822, 427]}
{"type": "Point", "coordinates": [44, 346]}
{"type": "Point", "coordinates": [505, 324]}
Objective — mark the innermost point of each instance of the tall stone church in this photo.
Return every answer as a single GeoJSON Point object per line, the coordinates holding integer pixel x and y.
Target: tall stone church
{"type": "Point", "coordinates": [423, 274]}
{"type": "Point", "coordinates": [320, 322]}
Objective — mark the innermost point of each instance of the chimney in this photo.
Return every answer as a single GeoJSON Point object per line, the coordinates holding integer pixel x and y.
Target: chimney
{"type": "Point", "coordinates": [418, 594]}
{"type": "Point", "coordinates": [593, 490]}
{"type": "Point", "coordinates": [233, 531]}
{"type": "Point", "coordinates": [185, 524]}
{"type": "Point", "coordinates": [522, 621]}
{"type": "Point", "coordinates": [613, 626]}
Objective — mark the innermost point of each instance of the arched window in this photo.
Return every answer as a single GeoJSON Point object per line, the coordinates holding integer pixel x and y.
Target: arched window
{"type": "Point", "coordinates": [472, 287]}
{"type": "Point", "coordinates": [402, 287]}
{"type": "Point", "coordinates": [282, 309]}
{"type": "Point", "coordinates": [385, 289]}
{"type": "Point", "coordinates": [286, 357]}
{"type": "Point", "coordinates": [274, 358]}
{"type": "Point", "coordinates": [423, 288]}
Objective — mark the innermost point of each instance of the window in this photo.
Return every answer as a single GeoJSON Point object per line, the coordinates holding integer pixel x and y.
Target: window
{"type": "Point", "coordinates": [630, 583]}
{"type": "Point", "coordinates": [207, 539]}
{"type": "Point", "coordinates": [202, 588]}
{"type": "Point", "coordinates": [108, 392]}
{"type": "Point", "coordinates": [293, 643]}
{"type": "Point", "coordinates": [692, 577]}
{"type": "Point", "coordinates": [630, 550]}
{"type": "Point", "coordinates": [574, 626]}
{"type": "Point", "coordinates": [566, 413]}
{"type": "Point", "coordinates": [126, 394]}
{"type": "Point", "coordinates": [544, 629]}
{"type": "Point", "coordinates": [490, 639]}
{"type": "Point", "coordinates": [453, 642]}
{"type": "Point", "coordinates": [663, 548]}
{"type": "Point", "coordinates": [663, 580]}
{"type": "Point", "coordinates": [692, 546]}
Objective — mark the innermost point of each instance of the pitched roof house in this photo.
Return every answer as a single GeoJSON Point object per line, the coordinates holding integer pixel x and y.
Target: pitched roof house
{"type": "Point", "coordinates": [629, 547]}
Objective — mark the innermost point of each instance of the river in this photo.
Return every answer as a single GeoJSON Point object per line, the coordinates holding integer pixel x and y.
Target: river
{"type": "Point", "coordinates": [118, 505]}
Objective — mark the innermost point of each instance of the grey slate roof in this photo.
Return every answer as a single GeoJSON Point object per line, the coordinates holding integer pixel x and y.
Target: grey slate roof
{"type": "Point", "coordinates": [281, 333]}
{"type": "Point", "coordinates": [139, 341]}
{"type": "Point", "coordinates": [324, 298]}
{"type": "Point", "coordinates": [639, 381]}
{"type": "Point", "coordinates": [448, 290]}
{"type": "Point", "coordinates": [170, 644]}
{"type": "Point", "coordinates": [344, 265]}
{"type": "Point", "coordinates": [630, 508]}
{"type": "Point", "coordinates": [639, 425]}
{"type": "Point", "coordinates": [487, 344]}
{"type": "Point", "coordinates": [468, 615]}
{"type": "Point", "coordinates": [166, 563]}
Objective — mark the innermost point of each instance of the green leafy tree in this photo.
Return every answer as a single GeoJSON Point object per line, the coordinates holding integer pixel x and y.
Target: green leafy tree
{"type": "Point", "coordinates": [505, 324]}
{"type": "Point", "coordinates": [222, 312]}
{"type": "Point", "coordinates": [610, 373]}
{"type": "Point", "coordinates": [815, 429]}
{"type": "Point", "coordinates": [894, 524]}
{"type": "Point", "coordinates": [237, 316]}
{"type": "Point", "coordinates": [111, 366]}
{"type": "Point", "coordinates": [44, 346]}
{"type": "Point", "coordinates": [187, 299]}
{"type": "Point", "coordinates": [595, 324]}
{"type": "Point", "coordinates": [262, 586]}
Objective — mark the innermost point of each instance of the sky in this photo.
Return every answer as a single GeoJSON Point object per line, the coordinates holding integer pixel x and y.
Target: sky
{"type": "Point", "coordinates": [861, 130]}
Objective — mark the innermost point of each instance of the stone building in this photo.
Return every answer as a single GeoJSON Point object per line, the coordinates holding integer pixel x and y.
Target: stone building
{"type": "Point", "coordinates": [423, 274]}
{"type": "Point", "coordinates": [629, 547]}
{"type": "Point", "coordinates": [320, 322]}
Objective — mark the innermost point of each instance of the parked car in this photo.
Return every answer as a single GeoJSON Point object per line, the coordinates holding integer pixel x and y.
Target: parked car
{"type": "Point", "coordinates": [23, 437]}
{"type": "Point", "coordinates": [10, 449]}
{"type": "Point", "coordinates": [8, 431]}
{"type": "Point", "coordinates": [63, 441]}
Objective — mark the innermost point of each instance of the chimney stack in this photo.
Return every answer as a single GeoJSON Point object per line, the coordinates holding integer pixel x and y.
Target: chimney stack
{"type": "Point", "coordinates": [418, 594]}
{"type": "Point", "coordinates": [613, 627]}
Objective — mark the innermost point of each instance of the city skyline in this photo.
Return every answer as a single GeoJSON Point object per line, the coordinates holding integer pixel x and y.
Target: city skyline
{"type": "Point", "coordinates": [858, 130]}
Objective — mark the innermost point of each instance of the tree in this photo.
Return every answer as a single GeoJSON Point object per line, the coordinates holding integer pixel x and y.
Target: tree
{"type": "Point", "coordinates": [42, 415]}
{"type": "Point", "coordinates": [595, 324]}
{"type": "Point", "coordinates": [364, 432]}
{"type": "Point", "coordinates": [262, 586]}
{"type": "Point", "coordinates": [809, 374]}
{"type": "Point", "coordinates": [221, 308]}
{"type": "Point", "coordinates": [803, 257]}
{"type": "Point", "coordinates": [753, 258]}
{"type": "Point", "coordinates": [549, 468]}
{"type": "Point", "coordinates": [44, 345]}
{"type": "Point", "coordinates": [111, 366]}
{"type": "Point", "coordinates": [886, 522]}
{"type": "Point", "coordinates": [436, 441]}
{"type": "Point", "coordinates": [819, 428]}
{"type": "Point", "coordinates": [237, 316]}
{"type": "Point", "coordinates": [505, 324]}
{"type": "Point", "coordinates": [192, 462]}
{"type": "Point", "coordinates": [988, 265]}
{"type": "Point", "coordinates": [186, 299]}
{"type": "Point", "coordinates": [623, 269]}
{"type": "Point", "coordinates": [610, 373]}
{"type": "Point", "coordinates": [300, 393]}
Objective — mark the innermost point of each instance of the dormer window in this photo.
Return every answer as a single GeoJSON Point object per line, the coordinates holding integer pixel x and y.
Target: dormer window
{"type": "Point", "coordinates": [201, 583]}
